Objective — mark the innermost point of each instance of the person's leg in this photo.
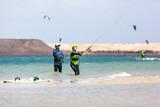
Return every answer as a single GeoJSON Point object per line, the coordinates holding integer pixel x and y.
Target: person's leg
{"type": "Point", "coordinates": [77, 70]}
{"type": "Point", "coordinates": [60, 68]}
{"type": "Point", "coordinates": [55, 68]}
{"type": "Point", "coordinates": [73, 68]}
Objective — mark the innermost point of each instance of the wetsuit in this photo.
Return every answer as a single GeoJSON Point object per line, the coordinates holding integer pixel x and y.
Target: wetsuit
{"type": "Point", "coordinates": [74, 61]}
{"type": "Point", "coordinates": [58, 60]}
{"type": "Point", "coordinates": [142, 54]}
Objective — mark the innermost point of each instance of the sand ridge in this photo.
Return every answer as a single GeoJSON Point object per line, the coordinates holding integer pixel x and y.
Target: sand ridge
{"type": "Point", "coordinates": [113, 47]}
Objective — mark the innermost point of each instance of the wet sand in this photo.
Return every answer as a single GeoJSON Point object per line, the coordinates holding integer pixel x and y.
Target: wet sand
{"type": "Point", "coordinates": [121, 92]}
{"type": "Point", "coordinates": [128, 80]}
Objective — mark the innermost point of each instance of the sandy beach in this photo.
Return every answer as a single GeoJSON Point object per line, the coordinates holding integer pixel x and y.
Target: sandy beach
{"type": "Point", "coordinates": [122, 92]}
{"type": "Point", "coordinates": [129, 80]}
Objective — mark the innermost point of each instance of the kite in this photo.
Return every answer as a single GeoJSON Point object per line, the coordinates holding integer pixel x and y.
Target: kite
{"type": "Point", "coordinates": [60, 39]}
{"type": "Point", "coordinates": [47, 17]}
{"type": "Point", "coordinates": [135, 27]}
{"type": "Point", "coordinates": [147, 42]}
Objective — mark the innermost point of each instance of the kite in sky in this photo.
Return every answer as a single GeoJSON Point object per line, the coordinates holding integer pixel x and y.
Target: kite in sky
{"type": "Point", "coordinates": [135, 27]}
{"type": "Point", "coordinates": [47, 17]}
{"type": "Point", "coordinates": [147, 42]}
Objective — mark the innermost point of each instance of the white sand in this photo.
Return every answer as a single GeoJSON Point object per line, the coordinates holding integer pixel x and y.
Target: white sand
{"type": "Point", "coordinates": [113, 47]}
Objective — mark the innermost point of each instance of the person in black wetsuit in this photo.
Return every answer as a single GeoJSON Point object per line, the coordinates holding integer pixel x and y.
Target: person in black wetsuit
{"type": "Point", "coordinates": [74, 59]}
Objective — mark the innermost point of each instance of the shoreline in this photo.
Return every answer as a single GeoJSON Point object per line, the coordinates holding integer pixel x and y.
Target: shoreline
{"type": "Point", "coordinates": [95, 81]}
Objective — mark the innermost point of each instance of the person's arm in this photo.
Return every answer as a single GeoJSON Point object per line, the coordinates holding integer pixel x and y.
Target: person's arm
{"type": "Point", "coordinates": [54, 54]}
{"type": "Point", "coordinates": [55, 58]}
{"type": "Point", "coordinates": [62, 57]}
{"type": "Point", "coordinates": [62, 54]}
{"type": "Point", "coordinates": [81, 53]}
{"type": "Point", "coordinates": [70, 57]}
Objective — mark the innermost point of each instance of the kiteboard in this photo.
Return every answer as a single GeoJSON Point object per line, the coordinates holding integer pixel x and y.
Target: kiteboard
{"type": "Point", "coordinates": [27, 81]}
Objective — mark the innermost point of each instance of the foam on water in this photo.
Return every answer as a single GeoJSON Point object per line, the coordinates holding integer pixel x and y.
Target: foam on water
{"type": "Point", "coordinates": [148, 59]}
{"type": "Point", "coordinates": [103, 78]}
{"type": "Point", "coordinates": [120, 75]}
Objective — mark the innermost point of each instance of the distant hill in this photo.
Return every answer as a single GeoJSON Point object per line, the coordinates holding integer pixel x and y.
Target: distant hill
{"type": "Point", "coordinates": [24, 47]}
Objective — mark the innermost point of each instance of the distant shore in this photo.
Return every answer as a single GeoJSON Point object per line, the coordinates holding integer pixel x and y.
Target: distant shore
{"type": "Point", "coordinates": [152, 49]}
{"type": "Point", "coordinates": [36, 47]}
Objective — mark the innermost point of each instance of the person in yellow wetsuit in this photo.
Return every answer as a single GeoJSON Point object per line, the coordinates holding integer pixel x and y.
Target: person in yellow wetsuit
{"type": "Point", "coordinates": [142, 55]}
{"type": "Point", "coordinates": [74, 59]}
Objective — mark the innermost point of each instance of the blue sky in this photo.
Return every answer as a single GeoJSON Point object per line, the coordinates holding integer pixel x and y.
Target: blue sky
{"type": "Point", "coordinates": [81, 21]}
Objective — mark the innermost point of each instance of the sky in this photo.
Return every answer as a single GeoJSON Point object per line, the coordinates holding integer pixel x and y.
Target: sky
{"type": "Point", "coordinates": [81, 21]}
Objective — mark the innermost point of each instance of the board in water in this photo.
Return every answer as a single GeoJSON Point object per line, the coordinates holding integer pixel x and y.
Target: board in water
{"type": "Point", "coordinates": [27, 81]}
{"type": "Point", "coordinates": [35, 79]}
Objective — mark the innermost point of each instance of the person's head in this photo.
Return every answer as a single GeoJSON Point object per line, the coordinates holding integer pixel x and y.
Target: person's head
{"type": "Point", "coordinates": [57, 46]}
{"type": "Point", "coordinates": [74, 47]}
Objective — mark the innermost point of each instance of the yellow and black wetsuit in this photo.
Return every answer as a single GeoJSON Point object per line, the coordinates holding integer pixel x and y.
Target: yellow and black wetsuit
{"type": "Point", "coordinates": [142, 54]}
{"type": "Point", "coordinates": [74, 61]}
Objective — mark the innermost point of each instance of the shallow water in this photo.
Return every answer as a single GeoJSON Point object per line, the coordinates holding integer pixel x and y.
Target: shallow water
{"type": "Point", "coordinates": [90, 67]}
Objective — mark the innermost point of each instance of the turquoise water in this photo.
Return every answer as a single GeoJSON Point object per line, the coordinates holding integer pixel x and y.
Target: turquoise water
{"type": "Point", "coordinates": [90, 66]}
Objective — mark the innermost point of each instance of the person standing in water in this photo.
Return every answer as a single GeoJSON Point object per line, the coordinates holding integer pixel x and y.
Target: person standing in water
{"type": "Point", "coordinates": [58, 58]}
{"type": "Point", "coordinates": [74, 59]}
{"type": "Point", "coordinates": [142, 54]}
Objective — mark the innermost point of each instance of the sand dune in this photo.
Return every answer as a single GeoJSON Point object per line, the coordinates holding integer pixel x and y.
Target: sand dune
{"type": "Point", "coordinates": [116, 49]}
{"type": "Point", "coordinates": [113, 47]}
